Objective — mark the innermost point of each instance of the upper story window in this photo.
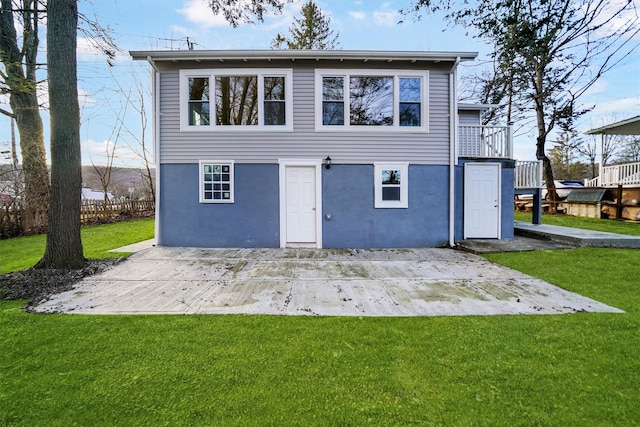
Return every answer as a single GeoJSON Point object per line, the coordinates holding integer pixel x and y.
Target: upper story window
{"type": "Point", "coordinates": [371, 99]}
{"type": "Point", "coordinates": [225, 99]}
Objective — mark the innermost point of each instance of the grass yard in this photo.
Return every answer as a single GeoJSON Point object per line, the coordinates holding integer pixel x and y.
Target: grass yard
{"type": "Point", "coordinates": [24, 252]}
{"type": "Point", "coordinates": [608, 225]}
{"type": "Point", "coordinates": [566, 370]}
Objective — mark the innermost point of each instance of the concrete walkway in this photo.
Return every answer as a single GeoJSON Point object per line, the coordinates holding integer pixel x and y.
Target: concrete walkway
{"type": "Point", "coordinates": [349, 282]}
{"type": "Point", "coordinates": [576, 236]}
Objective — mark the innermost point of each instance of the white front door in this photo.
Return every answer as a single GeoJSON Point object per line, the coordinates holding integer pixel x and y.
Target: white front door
{"type": "Point", "coordinates": [300, 208]}
{"type": "Point", "coordinates": [482, 200]}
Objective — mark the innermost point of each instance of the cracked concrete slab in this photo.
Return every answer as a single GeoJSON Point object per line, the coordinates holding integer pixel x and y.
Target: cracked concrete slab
{"type": "Point", "coordinates": [325, 282]}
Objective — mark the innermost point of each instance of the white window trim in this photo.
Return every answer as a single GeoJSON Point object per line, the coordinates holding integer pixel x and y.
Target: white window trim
{"type": "Point", "coordinates": [287, 73]}
{"type": "Point", "coordinates": [396, 74]}
{"type": "Point", "coordinates": [201, 198]}
{"type": "Point", "coordinates": [403, 203]}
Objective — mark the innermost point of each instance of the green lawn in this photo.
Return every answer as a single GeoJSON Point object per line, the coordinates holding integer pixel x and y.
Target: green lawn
{"type": "Point", "coordinates": [24, 252]}
{"type": "Point", "coordinates": [608, 225]}
{"type": "Point", "coordinates": [563, 370]}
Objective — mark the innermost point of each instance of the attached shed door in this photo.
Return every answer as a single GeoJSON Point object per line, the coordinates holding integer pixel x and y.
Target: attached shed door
{"type": "Point", "coordinates": [482, 200]}
{"type": "Point", "coordinates": [301, 204]}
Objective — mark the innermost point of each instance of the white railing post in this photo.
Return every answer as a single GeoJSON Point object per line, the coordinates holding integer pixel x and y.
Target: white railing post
{"type": "Point", "coordinates": [627, 174]}
{"type": "Point", "coordinates": [485, 141]}
{"type": "Point", "coordinates": [528, 174]}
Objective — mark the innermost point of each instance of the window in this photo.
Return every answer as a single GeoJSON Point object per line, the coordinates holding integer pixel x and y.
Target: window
{"type": "Point", "coordinates": [216, 181]}
{"type": "Point", "coordinates": [371, 101]}
{"type": "Point", "coordinates": [410, 100]}
{"type": "Point", "coordinates": [333, 101]}
{"type": "Point", "coordinates": [274, 101]}
{"type": "Point", "coordinates": [198, 101]}
{"type": "Point", "coordinates": [375, 99]}
{"type": "Point", "coordinates": [236, 99]}
{"type": "Point", "coordinates": [391, 182]}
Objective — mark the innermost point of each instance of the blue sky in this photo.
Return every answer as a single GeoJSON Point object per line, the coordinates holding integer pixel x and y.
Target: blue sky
{"type": "Point", "coordinates": [361, 24]}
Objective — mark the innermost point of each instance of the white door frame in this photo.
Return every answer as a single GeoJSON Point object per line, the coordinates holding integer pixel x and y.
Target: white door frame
{"type": "Point", "coordinates": [283, 164]}
{"type": "Point", "coordinates": [467, 207]}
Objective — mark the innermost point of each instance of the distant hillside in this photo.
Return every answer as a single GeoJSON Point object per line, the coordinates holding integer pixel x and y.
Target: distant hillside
{"type": "Point", "coordinates": [123, 181]}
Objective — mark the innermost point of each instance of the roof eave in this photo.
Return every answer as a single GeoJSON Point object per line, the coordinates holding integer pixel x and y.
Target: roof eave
{"type": "Point", "coordinates": [217, 55]}
{"type": "Point", "coordinates": [624, 127]}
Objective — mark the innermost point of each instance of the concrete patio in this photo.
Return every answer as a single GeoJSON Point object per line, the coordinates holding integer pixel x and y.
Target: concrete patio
{"type": "Point", "coordinates": [338, 282]}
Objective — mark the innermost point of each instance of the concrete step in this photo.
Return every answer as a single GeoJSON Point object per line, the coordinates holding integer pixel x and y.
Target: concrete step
{"type": "Point", "coordinates": [575, 236]}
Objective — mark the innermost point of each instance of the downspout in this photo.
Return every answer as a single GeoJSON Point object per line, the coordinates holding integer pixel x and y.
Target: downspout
{"type": "Point", "coordinates": [453, 149]}
{"type": "Point", "coordinates": [155, 87]}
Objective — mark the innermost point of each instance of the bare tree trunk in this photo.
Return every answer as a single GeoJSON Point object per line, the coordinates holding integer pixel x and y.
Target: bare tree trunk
{"type": "Point", "coordinates": [64, 245]}
{"type": "Point", "coordinates": [20, 69]}
{"type": "Point", "coordinates": [34, 163]}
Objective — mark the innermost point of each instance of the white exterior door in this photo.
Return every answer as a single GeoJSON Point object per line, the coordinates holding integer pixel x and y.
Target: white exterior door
{"type": "Point", "coordinates": [482, 200]}
{"type": "Point", "coordinates": [300, 204]}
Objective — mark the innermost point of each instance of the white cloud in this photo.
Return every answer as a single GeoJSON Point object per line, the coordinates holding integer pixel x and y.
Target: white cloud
{"type": "Point", "coordinates": [99, 153]}
{"type": "Point", "coordinates": [624, 107]}
{"type": "Point", "coordinates": [284, 20]}
{"type": "Point", "coordinates": [180, 30]}
{"type": "Point", "coordinates": [199, 12]}
{"type": "Point", "coordinates": [86, 49]}
{"type": "Point", "coordinates": [626, 17]}
{"type": "Point", "coordinates": [386, 16]}
{"type": "Point", "coordinates": [600, 86]}
{"type": "Point", "coordinates": [358, 15]}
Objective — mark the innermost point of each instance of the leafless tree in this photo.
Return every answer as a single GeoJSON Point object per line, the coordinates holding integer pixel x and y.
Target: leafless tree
{"type": "Point", "coordinates": [550, 51]}
{"type": "Point", "coordinates": [18, 53]}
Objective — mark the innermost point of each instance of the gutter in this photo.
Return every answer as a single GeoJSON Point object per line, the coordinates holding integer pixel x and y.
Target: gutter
{"type": "Point", "coordinates": [303, 54]}
{"type": "Point", "coordinates": [453, 149]}
{"type": "Point", "coordinates": [155, 102]}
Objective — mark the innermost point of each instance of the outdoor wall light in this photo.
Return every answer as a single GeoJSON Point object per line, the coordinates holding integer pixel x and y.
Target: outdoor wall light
{"type": "Point", "coordinates": [327, 162]}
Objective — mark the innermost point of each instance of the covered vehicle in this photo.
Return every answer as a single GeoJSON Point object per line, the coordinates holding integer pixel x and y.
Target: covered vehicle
{"type": "Point", "coordinates": [563, 187]}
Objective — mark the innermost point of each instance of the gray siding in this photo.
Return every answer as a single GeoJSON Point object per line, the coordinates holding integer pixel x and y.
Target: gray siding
{"type": "Point", "coordinates": [469, 118]}
{"type": "Point", "coordinates": [353, 147]}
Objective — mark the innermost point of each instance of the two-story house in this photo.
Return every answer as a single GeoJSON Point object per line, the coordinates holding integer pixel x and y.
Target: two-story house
{"type": "Point", "coordinates": [323, 149]}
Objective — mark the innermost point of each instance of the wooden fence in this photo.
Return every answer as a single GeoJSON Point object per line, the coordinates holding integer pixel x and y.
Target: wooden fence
{"type": "Point", "coordinates": [15, 221]}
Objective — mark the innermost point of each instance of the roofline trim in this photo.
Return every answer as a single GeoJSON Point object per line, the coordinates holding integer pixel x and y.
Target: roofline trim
{"type": "Point", "coordinates": [217, 55]}
{"type": "Point", "coordinates": [611, 127]}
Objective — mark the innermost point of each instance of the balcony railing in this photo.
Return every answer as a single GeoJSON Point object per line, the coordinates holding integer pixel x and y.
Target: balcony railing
{"type": "Point", "coordinates": [528, 174]}
{"type": "Point", "coordinates": [626, 174]}
{"type": "Point", "coordinates": [485, 141]}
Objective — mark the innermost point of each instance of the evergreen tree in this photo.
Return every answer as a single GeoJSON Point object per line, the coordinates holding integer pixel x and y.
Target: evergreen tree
{"type": "Point", "coordinates": [311, 31]}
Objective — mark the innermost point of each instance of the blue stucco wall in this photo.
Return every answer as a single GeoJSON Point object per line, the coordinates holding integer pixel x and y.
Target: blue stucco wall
{"type": "Point", "coordinates": [252, 221]}
{"type": "Point", "coordinates": [508, 190]}
{"type": "Point", "coordinates": [348, 196]}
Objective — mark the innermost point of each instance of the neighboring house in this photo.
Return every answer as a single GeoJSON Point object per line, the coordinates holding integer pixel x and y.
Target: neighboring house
{"type": "Point", "coordinates": [89, 194]}
{"type": "Point", "coordinates": [323, 149]}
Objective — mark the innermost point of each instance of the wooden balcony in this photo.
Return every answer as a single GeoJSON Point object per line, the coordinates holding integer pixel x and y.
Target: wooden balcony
{"type": "Point", "coordinates": [485, 141]}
